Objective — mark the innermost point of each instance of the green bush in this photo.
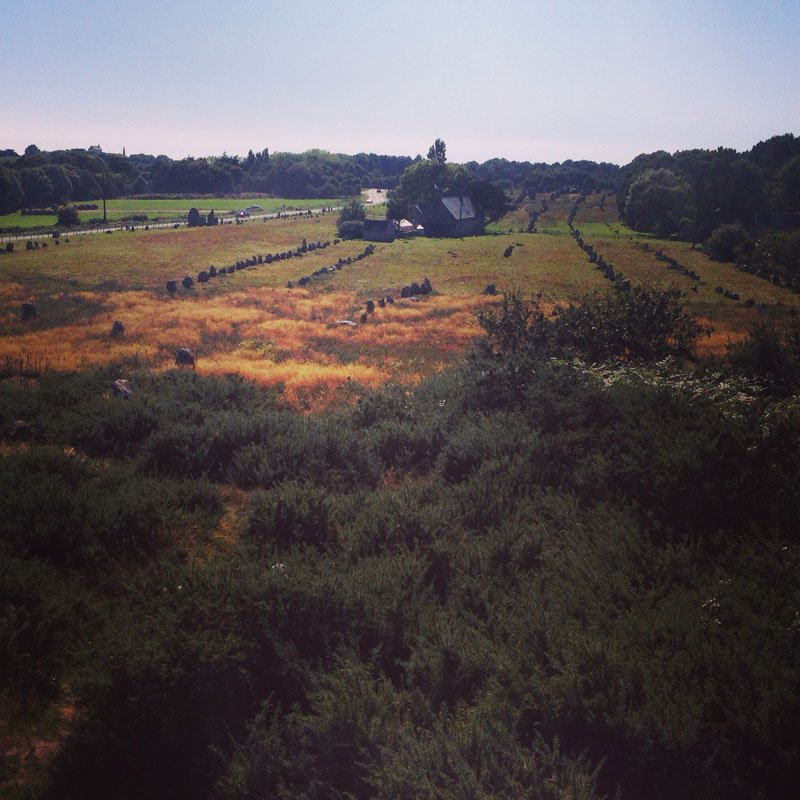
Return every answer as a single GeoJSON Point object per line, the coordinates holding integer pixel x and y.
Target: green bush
{"type": "Point", "coordinates": [634, 324]}
{"type": "Point", "coordinates": [351, 229]}
{"type": "Point", "coordinates": [729, 242]}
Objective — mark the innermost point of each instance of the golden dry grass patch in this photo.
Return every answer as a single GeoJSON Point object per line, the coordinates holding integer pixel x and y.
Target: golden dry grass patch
{"type": "Point", "coordinates": [270, 335]}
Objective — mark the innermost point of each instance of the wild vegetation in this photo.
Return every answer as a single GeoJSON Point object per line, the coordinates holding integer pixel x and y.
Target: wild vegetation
{"type": "Point", "coordinates": [539, 544]}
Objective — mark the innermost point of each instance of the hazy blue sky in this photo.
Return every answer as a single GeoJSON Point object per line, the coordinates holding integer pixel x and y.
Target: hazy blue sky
{"type": "Point", "coordinates": [520, 79]}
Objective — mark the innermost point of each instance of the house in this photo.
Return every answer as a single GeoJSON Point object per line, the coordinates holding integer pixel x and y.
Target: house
{"type": "Point", "coordinates": [379, 230]}
{"type": "Point", "coordinates": [452, 216]}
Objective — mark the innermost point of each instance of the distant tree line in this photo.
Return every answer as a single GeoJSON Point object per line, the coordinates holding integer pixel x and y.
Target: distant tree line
{"type": "Point", "coordinates": [742, 206]}
{"type": "Point", "coordinates": [579, 176]}
{"type": "Point", "coordinates": [39, 179]}
{"type": "Point", "coordinates": [693, 192]}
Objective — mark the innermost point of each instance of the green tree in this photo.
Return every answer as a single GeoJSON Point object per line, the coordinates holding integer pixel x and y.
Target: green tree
{"type": "Point", "coordinates": [656, 202]}
{"type": "Point", "coordinates": [438, 152]}
{"type": "Point", "coordinates": [351, 220]}
{"type": "Point", "coordinates": [787, 184]}
{"type": "Point", "coordinates": [60, 179]}
{"type": "Point", "coordinates": [68, 217]}
{"type": "Point", "coordinates": [11, 193]}
{"type": "Point", "coordinates": [37, 186]}
{"type": "Point", "coordinates": [729, 242]}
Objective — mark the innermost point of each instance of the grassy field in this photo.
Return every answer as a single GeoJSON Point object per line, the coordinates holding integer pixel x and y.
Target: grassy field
{"type": "Point", "coordinates": [250, 322]}
{"type": "Point", "coordinates": [169, 209]}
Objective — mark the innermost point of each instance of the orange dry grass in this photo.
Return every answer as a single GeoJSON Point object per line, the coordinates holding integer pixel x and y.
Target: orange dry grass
{"type": "Point", "coordinates": [273, 336]}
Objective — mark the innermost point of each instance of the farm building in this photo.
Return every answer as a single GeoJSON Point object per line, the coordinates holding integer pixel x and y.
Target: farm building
{"type": "Point", "coordinates": [379, 230]}
{"type": "Point", "coordinates": [450, 217]}
{"type": "Point", "coordinates": [407, 228]}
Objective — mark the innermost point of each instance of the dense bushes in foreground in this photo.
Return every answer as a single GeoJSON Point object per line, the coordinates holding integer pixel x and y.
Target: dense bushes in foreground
{"type": "Point", "coordinates": [529, 577]}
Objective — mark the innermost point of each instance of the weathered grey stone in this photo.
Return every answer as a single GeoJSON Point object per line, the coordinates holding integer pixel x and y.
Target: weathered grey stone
{"type": "Point", "coordinates": [28, 312]}
{"type": "Point", "coordinates": [122, 388]}
{"type": "Point", "coordinates": [185, 357]}
{"type": "Point", "coordinates": [172, 287]}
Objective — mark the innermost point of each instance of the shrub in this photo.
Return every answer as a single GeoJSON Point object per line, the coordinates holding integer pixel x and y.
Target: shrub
{"type": "Point", "coordinates": [637, 324]}
{"type": "Point", "coordinates": [729, 242]}
{"type": "Point", "coordinates": [351, 229]}
{"type": "Point", "coordinates": [68, 217]}
{"type": "Point", "coordinates": [292, 513]}
{"type": "Point", "coordinates": [770, 355]}
{"type": "Point", "coordinates": [350, 224]}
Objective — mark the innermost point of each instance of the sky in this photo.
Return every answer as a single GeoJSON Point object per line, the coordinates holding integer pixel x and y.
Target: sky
{"type": "Point", "coordinates": [525, 80]}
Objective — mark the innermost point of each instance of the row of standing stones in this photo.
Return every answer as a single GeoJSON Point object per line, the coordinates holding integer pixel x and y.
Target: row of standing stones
{"type": "Point", "coordinates": [342, 262]}
{"type": "Point", "coordinates": [600, 263]}
{"type": "Point", "coordinates": [673, 264]}
{"type": "Point", "coordinates": [412, 291]}
{"type": "Point", "coordinates": [30, 244]}
{"type": "Point", "coordinates": [206, 275]}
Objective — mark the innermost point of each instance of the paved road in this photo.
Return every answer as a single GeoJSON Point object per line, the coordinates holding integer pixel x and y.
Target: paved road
{"type": "Point", "coordinates": [378, 196]}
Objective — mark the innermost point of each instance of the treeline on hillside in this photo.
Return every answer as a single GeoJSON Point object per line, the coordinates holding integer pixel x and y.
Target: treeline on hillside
{"type": "Point", "coordinates": [578, 582]}
{"type": "Point", "coordinates": [39, 179]}
{"type": "Point", "coordinates": [722, 198]}
{"type": "Point", "coordinates": [570, 176]}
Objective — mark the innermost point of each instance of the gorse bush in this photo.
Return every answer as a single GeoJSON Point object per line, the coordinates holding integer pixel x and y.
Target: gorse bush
{"type": "Point", "coordinates": [634, 324]}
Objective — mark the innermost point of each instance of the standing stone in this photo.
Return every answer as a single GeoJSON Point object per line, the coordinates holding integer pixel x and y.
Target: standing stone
{"type": "Point", "coordinates": [172, 287]}
{"type": "Point", "coordinates": [117, 329]}
{"type": "Point", "coordinates": [19, 431]}
{"type": "Point", "coordinates": [187, 282]}
{"type": "Point", "coordinates": [121, 388]}
{"type": "Point", "coordinates": [28, 312]}
{"type": "Point", "coordinates": [185, 357]}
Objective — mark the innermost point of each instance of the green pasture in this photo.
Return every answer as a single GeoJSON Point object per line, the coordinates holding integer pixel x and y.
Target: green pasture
{"type": "Point", "coordinates": [220, 205]}
{"type": "Point", "coordinates": [17, 220]}
{"type": "Point", "coordinates": [168, 209]}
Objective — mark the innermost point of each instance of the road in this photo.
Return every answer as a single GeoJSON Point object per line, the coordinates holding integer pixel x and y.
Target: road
{"type": "Point", "coordinates": [375, 197]}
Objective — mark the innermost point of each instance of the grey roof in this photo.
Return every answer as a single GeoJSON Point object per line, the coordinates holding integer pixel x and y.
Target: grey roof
{"type": "Point", "coordinates": [377, 224]}
{"type": "Point", "coordinates": [459, 207]}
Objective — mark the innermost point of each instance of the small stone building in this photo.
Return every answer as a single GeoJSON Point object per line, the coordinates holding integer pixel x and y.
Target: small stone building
{"type": "Point", "coordinates": [379, 230]}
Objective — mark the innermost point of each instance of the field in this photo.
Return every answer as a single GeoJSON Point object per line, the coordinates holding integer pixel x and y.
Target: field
{"type": "Point", "coordinates": [250, 323]}
{"type": "Point", "coordinates": [165, 210]}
